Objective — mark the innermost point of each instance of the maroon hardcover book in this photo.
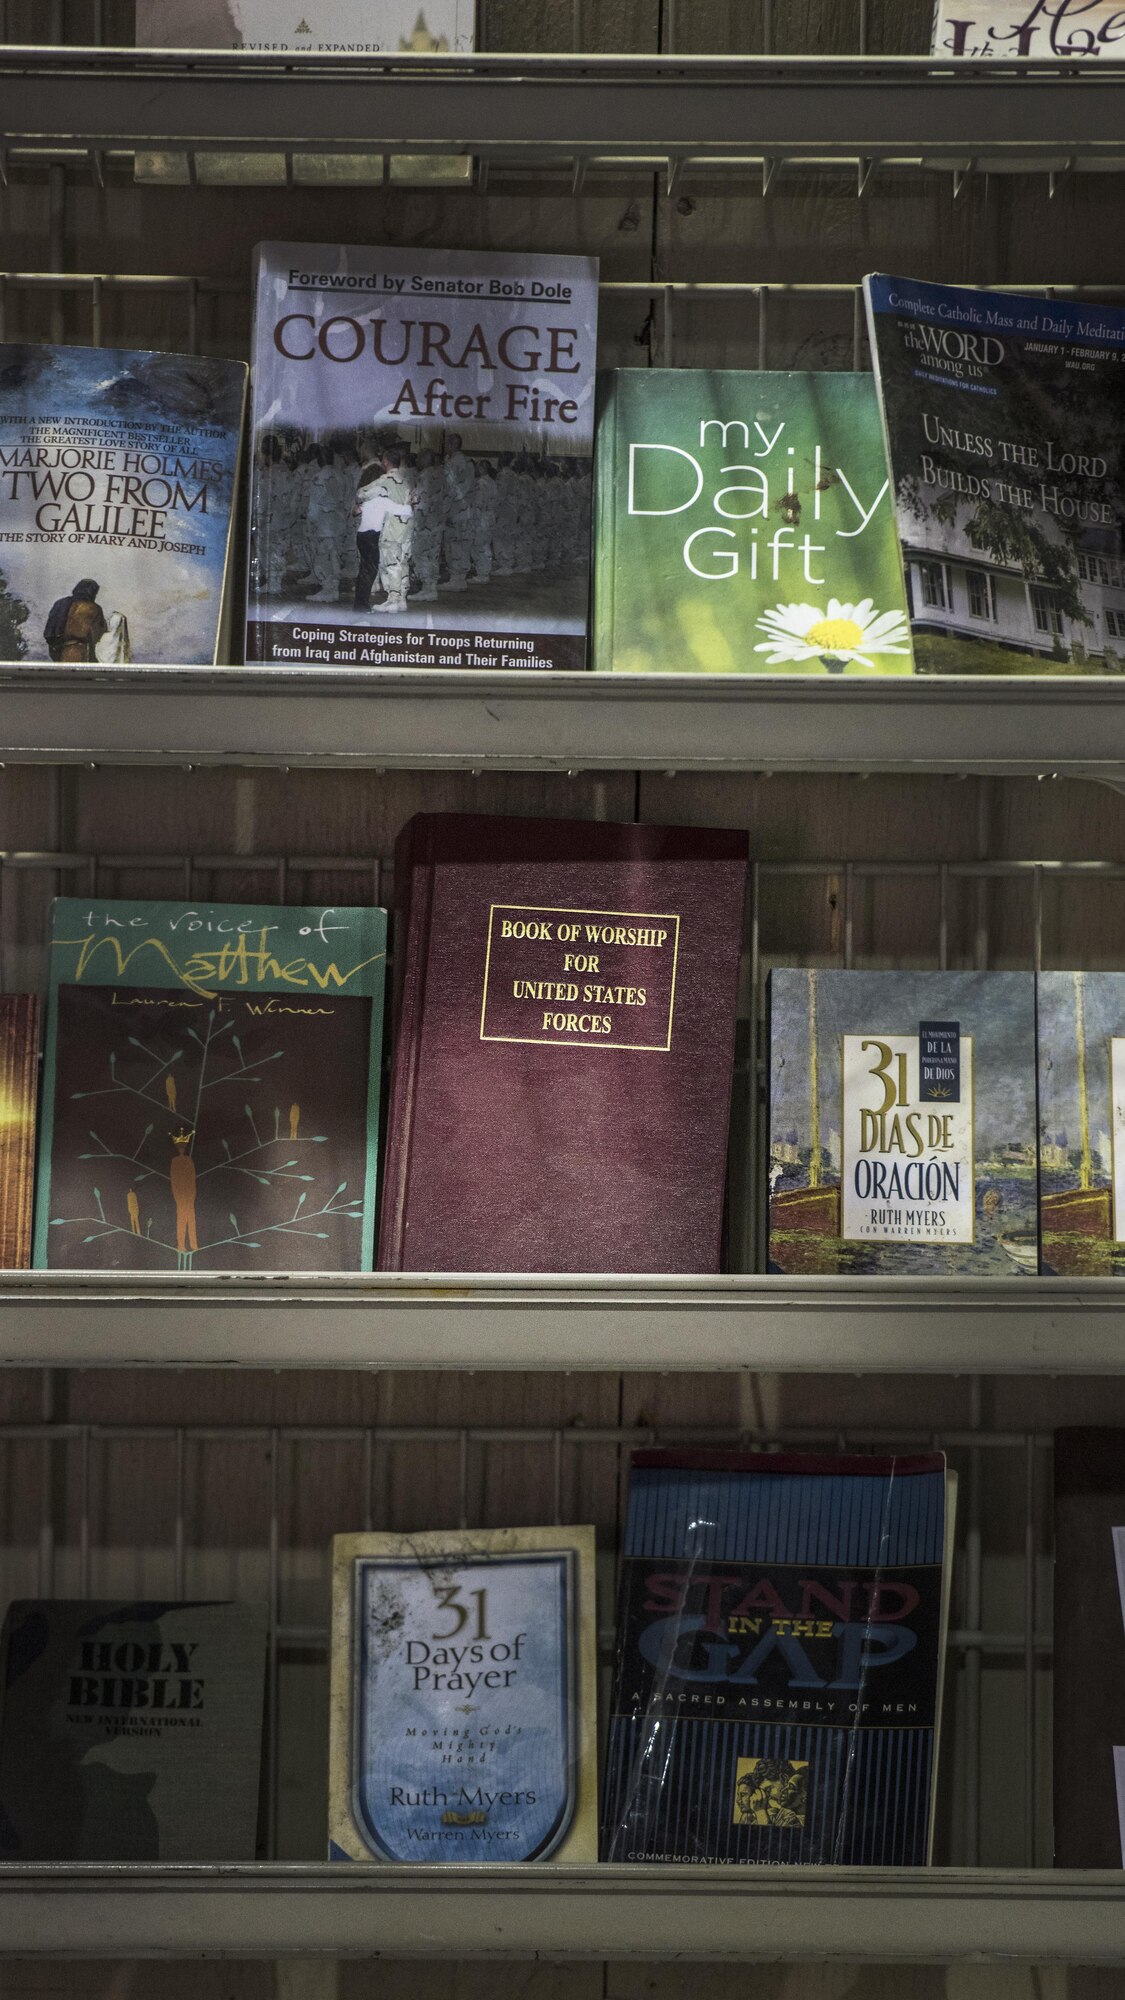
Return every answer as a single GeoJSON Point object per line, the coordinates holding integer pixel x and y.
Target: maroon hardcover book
{"type": "Point", "coordinates": [1089, 1621]}
{"type": "Point", "coordinates": [562, 1077]}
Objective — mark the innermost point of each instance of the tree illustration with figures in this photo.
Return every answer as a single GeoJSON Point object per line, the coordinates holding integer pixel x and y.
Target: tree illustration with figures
{"type": "Point", "coordinates": [180, 1143]}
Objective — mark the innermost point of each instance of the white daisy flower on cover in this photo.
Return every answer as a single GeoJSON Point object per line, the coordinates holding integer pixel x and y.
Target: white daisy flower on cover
{"type": "Point", "coordinates": [844, 632]}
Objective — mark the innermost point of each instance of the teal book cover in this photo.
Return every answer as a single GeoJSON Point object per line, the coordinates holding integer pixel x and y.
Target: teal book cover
{"type": "Point", "coordinates": [903, 1123]}
{"type": "Point", "coordinates": [1081, 1030]}
{"type": "Point", "coordinates": [211, 1088]}
{"type": "Point", "coordinates": [745, 525]}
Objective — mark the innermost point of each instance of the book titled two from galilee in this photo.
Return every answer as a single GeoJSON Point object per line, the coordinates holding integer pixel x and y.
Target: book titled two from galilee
{"type": "Point", "coordinates": [1005, 428]}
{"type": "Point", "coordinates": [780, 1639]}
{"type": "Point", "coordinates": [211, 1088]}
{"type": "Point", "coordinates": [117, 479]}
{"type": "Point", "coordinates": [423, 430]}
{"type": "Point", "coordinates": [463, 1724]}
{"type": "Point", "coordinates": [565, 1000]}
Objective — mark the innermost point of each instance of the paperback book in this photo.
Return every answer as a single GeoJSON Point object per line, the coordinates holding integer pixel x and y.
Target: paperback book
{"type": "Point", "coordinates": [781, 1635]}
{"type": "Point", "coordinates": [1081, 1039]}
{"type": "Point", "coordinates": [903, 1122]}
{"type": "Point", "coordinates": [19, 1090]}
{"type": "Point", "coordinates": [1005, 429]}
{"type": "Point", "coordinates": [745, 525]}
{"type": "Point", "coordinates": [323, 27]}
{"type": "Point", "coordinates": [564, 1052]}
{"type": "Point", "coordinates": [117, 479]}
{"type": "Point", "coordinates": [1006, 28]}
{"type": "Point", "coordinates": [423, 430]}
{"type": "Point", "coordinates": [130, 1731]}
{"type": "Point", "coordinates": [1089, 1651]}
{"type": "Point", "coordinates": [211, 1088]}
{"type": "Point", "coordinates": [464, 1717]}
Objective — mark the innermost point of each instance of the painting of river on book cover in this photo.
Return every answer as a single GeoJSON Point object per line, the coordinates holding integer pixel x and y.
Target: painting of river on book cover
{"type": "Point", "coordinates": [903, 1123]}
{"type": "Point", "coordinates": [1081, 1024]}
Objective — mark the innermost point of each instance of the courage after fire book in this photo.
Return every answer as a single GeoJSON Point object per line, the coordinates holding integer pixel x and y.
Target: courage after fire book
{"type": "Point", "coordinates": [745, 525]}
{"type": "Point", "coordinates": [781, 1634]}
{"type": "Point", "coordinates": [422, 440]}
{"type": "Point", "coordinates": [1005, 431]}
{"type": "Point", "coordinates": [211, 1087]}
{"type": "Point", "coordinates": [903, 1122]}
{"type": "Point", "coordinates": [565, 1001]}
{"type": "Point", "coordinates": [130, 1731]}
{"type": "Point", "coordinates": [463, 1697]}
{"type": "Point", "coordinates": [118, 471]}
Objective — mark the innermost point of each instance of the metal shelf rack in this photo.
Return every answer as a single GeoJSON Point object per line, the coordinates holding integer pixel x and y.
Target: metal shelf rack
{"type": "Point", "coordinates": [943, 1916]}
{"type": "Point", "coordinates": [413, 719]}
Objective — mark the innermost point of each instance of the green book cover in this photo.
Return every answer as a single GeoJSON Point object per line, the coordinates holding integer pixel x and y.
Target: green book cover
{"type": "Point", "coordinates": [745, 525]}
{"type": "Point", "coordinates": [211, 1088]}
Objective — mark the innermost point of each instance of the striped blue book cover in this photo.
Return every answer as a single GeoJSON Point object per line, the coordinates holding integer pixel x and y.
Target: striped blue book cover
{"type": "Point", "coordinates": [780, 1634]}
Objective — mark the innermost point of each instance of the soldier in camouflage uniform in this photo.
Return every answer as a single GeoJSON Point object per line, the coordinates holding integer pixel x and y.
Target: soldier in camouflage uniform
{"type": "Point", "coordinates": [429, 524]}
{"type": "Point", "coordinates": [485, 499]}
{"type": "Point", "coordinates": [457, 538]}
{"type": "Point", "coordinates": [398, 530]}
{"type": "Point", "coordinates": [507, 514]}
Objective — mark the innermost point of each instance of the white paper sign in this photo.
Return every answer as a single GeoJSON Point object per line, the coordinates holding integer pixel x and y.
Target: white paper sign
{"type": "Point", "coordinates": [907, 1164]}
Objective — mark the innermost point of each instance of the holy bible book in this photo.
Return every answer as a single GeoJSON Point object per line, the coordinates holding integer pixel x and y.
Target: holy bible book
{"type": "Point", "coordinates": [566, 995]}
{"type": "Point", "coordinates": [130, 1732]}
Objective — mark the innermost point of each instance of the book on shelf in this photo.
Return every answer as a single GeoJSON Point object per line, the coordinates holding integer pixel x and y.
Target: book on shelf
{"type": "Point", "coordinates": [422, 439]}
{"type": "Point", "coordinates": [117, 478]}
{"type": "Point", "coordinates": [1081, 1041]}
{"type": "Point", "coordinates": [902, 1122]}
{"type": "Point", "coordinates": [1089, 1648]}
{"type": "Point", "coordinates": [564, 1050]}
{"type": "Point", "coordinates": [745, 525]}
{"type": "Point", "coordinates": [130, 1731]}
{"type": "Point", "coordinates": [1007, 28]}
{"type": "Point", "coordinates": [323, 27]}
{"type": "Point", "coordinates": [19, 1090]}
{"type": "Point", "coordinates": [1005, 431]}
{"type": "Point", "coordinates": [463, 1708]}
{"type": "Point", "coordinates": [781, 1633]}
{"type": "Point", "coordinates": [211, 1087]}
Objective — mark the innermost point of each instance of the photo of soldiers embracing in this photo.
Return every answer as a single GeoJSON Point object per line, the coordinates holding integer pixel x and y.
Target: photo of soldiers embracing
{"type": "Point", "coordinates": [367, 522]}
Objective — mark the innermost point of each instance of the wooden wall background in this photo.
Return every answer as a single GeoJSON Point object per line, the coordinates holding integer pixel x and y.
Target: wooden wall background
{"type": "Point", "coordinates": [809, 227]}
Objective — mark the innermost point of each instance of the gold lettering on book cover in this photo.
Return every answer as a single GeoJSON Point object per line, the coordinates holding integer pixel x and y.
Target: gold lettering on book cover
{"type": "Point", "coordinates": [580, 978]}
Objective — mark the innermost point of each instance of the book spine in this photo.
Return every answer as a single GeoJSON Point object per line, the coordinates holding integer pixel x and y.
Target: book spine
{"type": "Point", "coordinates": [416, 866]}
{"type": "Point", "coordinates": [873, 343]}
{"type": "Point", "coordinates": [604, 565]}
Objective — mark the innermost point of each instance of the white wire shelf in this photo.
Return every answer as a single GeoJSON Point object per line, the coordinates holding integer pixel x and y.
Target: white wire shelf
{"type": "Point", "coordinates": [677, 112]}
{"type": "Point", "coordinates": [462, 720]}
{"type": "Point", "coordinates": [565, 1324]}
{"type": "Point", "coordinates": [940, 1916]}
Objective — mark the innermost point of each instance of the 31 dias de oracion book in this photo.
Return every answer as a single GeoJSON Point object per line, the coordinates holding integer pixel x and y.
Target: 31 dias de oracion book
{"type": "Point", "coordinates": [130, 1731]}
{"type": "Point", "coordinates": [117, 479]}
{"type": "Point", "coordinates": [423, 430]}
{"type": "Point", "coordinates": [1081, 1043]}
{"type": "Point", "coordinates": [1005, 428]}
{"type": "Point", "coordinates": [464, 1709]}
{"type": "Point", "coordinates": [745, 525]}
{"type": "Point", "coordinates": [564, 1050]}
{"type": "Point", "coordinates": [780, 1643]}
{"type": "Point", "coordinates": [902, 1122]}
{"type": "Point", "coordinates": [211, 1087]}
{"type": "Point", "coordinates": [19, 1090]}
